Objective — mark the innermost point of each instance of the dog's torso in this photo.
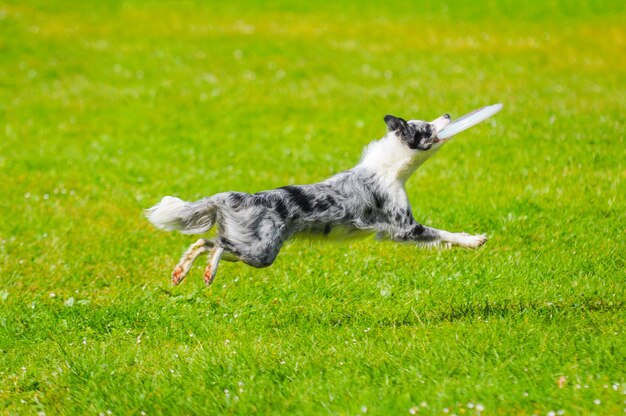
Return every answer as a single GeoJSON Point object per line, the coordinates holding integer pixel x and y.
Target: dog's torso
{"type": "Point", "coordinates": [351, 204]}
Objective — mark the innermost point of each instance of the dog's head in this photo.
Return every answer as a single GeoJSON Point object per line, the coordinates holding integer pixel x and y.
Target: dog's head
{"type": "Point", "coordinates": [416, 134]}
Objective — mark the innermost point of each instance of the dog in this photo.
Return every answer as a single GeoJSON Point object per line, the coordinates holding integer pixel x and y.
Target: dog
{"type": "Point", "coordinates": [369, 199]}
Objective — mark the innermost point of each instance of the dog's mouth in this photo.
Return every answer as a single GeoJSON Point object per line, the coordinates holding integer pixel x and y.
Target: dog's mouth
{"type": "Point", "coordinates": [440, 124]}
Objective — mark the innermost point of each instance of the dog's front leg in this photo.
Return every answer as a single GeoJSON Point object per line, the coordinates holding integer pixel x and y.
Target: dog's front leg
{"type": "Point", "coordinates": [433, 237]}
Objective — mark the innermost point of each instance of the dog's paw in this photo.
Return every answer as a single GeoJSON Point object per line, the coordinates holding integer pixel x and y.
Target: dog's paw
{"type": "Point", "coordinates": [178, 275]}
{"type": "Point", "coordinates": [209, 275]}
{"type": "Point", "coordinates": [472, 241]}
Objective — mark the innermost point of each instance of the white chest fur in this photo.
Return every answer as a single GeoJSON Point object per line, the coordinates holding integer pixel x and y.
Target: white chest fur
{"type": "Point", "coordinates": [393, 160]}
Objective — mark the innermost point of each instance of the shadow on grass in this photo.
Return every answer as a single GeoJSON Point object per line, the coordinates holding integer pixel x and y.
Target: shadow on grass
{"type": "Point", "coordinates": [421, 315]}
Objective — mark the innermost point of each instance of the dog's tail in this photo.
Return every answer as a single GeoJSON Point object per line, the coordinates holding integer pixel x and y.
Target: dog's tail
{"type": "Point", "coordinates": [187, 217]}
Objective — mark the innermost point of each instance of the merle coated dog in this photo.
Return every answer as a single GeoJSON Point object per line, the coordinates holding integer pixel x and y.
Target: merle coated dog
{"type": "Point", "coordinates": [367, 199]}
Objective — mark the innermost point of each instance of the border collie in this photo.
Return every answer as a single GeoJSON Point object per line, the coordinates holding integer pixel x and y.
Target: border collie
{"type": "Point", "coordinates": [367, 199]}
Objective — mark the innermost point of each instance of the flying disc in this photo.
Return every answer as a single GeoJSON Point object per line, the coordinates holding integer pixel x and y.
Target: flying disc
{"type": "Point", "coordinates": [469, 120]}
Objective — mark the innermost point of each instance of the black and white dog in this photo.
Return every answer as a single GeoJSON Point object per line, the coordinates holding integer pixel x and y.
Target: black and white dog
{"type": "Point", "coordinates": [367, 199]}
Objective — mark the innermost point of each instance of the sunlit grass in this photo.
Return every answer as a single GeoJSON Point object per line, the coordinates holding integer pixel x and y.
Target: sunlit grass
{"type": "Point", "coordinates": [107, 106]}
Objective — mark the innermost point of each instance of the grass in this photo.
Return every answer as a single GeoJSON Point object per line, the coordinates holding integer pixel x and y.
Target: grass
{"type": "Point", "coordinates": [107, 106]}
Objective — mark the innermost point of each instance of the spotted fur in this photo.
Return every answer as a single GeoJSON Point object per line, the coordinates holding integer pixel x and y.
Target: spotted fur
{"type": "Point", "coordinates": [367, 199]}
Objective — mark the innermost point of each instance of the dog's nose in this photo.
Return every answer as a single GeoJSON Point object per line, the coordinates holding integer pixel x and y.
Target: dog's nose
{"type": "Point", "coordinates": [446, 116]}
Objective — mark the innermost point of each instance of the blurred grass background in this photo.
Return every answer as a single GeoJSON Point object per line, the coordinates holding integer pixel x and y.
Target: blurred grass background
{"type": "Point", "coordinates": [107, 106]}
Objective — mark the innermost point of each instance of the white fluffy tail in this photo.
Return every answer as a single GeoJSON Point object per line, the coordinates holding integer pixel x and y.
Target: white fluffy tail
{"type": "Point", "coordinates": [187, 217]}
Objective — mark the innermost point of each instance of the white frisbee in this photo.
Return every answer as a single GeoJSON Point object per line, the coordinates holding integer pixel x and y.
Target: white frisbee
{"type": "Point", "coordinates": [469, 120]}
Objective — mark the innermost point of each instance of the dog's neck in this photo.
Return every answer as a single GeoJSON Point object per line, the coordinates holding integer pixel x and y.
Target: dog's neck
{"type": "Point", "coordinates": [393, 160]}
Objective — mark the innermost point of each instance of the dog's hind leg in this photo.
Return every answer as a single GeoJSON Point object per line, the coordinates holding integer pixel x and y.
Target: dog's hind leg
{"type": "Point", "coordinates": [186, 261]}
{"type": "Point", "coordinates": [211, 268]}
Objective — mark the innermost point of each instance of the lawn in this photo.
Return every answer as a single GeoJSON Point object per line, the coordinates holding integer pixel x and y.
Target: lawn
{"type": "Point", "coordinates": [107, 106]}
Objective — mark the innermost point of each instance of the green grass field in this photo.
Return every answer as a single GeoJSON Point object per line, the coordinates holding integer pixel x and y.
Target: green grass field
{"type": "Point", "coordinates": [107, 106]}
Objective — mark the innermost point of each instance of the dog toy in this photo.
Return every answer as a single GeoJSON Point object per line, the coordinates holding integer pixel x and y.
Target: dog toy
{"type": "Point", "coordinates": [469, 120]}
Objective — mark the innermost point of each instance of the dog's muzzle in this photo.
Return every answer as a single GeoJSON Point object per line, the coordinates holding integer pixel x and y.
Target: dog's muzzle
{"type": "Point", "coordinates": [440, 123]}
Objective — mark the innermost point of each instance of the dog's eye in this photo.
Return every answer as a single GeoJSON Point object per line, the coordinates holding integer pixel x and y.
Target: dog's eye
{"type": "Point", "coordinates": [423, 131]}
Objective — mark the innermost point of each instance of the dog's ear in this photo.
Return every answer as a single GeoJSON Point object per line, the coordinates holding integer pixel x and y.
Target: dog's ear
{"type": "Point", "coordinates": [396, 123]}
{"type": "Point", "coordinates": [399, 125]}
